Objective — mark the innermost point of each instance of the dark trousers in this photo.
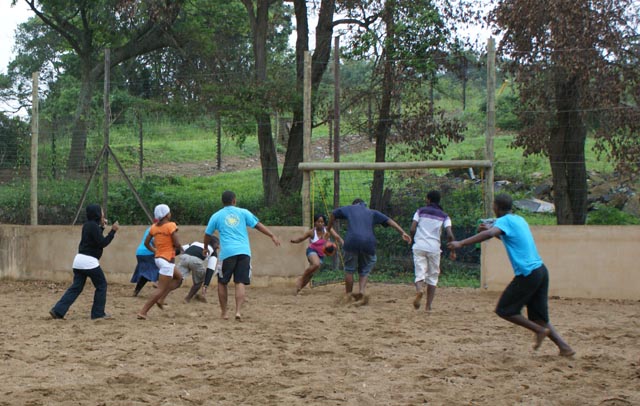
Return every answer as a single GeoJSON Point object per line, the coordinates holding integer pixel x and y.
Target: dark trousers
{"type": "Point", "coordinates": [79, 278]}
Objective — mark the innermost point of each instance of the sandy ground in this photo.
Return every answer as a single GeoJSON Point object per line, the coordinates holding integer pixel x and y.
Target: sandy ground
{"type": "Point", "coordinates": [311, 350]}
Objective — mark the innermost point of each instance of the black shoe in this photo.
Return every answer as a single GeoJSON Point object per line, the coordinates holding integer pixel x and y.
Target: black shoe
{"type": "Point", "coordinates": [55, 315]}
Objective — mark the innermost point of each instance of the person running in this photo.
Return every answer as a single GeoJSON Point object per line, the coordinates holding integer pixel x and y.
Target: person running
{"type": "Point", "coordinates": [426, 230]}
{"type": "Point", "coordinates": [86, 264]}
{"type": "Point", "coordinates": [530, 286]}
{"type": "Point", "coordinates": [146, 268]}
{"type": "Point", "coordinates": [231, 222]}
{"type": "Point", "coordinates": [360, 243]}
{"type": "Point", "coordinates": [201, 267]}
{"type": "Point", "coordinates": [315, 251]}
{"type": "Point", "coordinates": [164, 233]}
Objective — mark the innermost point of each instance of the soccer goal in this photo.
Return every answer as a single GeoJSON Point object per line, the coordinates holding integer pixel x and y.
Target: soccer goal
{"type": "Point", "coordinates": [406, 185]}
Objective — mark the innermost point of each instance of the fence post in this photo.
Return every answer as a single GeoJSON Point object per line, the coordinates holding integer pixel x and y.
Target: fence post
{"type": "Point", "coordinates": [491, 125]}
{"type": "Point", "coordinates": [35, 117]}
{"type": "Point", "coordinates": [107, 122]}
{"type": "Point", "coordinates": [306, 142]}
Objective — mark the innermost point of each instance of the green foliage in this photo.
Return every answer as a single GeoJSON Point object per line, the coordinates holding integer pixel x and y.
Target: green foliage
{"type": "Point", "coordinates": [14, 142]}
{"type": "Point", "coordinates": [604, 215]}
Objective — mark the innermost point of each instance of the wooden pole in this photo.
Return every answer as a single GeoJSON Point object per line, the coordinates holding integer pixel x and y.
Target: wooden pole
{"type": "Point", "coordinates": [306, 142]}
{"type": "Point", "coordinates": [219, 142]}
{"type": "Point", "coordinates": [491, 125]}
{"type": "Point", "coordinates": [35, 113]}
{"type": "Point", "coordinates": [141, 141]}
{"type": "Point", "coordinates": [107, 121]}
{"type": "Point", "coordinates": [336, 119]}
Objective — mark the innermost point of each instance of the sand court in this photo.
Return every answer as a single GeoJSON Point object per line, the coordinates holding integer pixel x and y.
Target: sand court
{"type": "Point", "coordinates": [310, 349]}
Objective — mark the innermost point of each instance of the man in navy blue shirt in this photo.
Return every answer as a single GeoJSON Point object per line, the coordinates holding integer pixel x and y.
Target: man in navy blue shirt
{"type": "Point", "coordinates": [360, 243]}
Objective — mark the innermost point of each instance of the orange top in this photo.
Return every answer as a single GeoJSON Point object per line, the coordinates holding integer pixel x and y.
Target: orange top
{"type": "Point", "coordinates": [163, 239]}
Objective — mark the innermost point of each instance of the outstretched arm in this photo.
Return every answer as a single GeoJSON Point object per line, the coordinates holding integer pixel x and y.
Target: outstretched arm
{"type": "Point", "coordinates": [395, 225]}
{"type": "Point", "coordinates": [337, 237]}
{"type": "Point", "coordinates": [306, 235]}
{"type": "Point", "coordinates": [264, 230]}
{"type": "Point", "coordinates": [481, 236]}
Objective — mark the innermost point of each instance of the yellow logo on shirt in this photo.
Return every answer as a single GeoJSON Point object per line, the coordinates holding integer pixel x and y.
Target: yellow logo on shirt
{"type": "Point", "coordinates": [232, 220]}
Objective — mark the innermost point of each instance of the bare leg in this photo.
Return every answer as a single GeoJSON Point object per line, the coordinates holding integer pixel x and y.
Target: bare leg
{"type": "Point", "coordinates": [163, 288]}
{"type": "Point", "coordinates": [240, 293]}
{"type": "Point", "coordinates": [314, 265]}
{"type": "Point", "coordinates": [192, 292]}
{"type": "Point", "coordinates": [174, 284]}
{"type": "Point", "coordinates": [348, 282]}
{"type": "Point", "coordinates": [362, 284]}
{"type": "Point", "coordinates": [565, 349]}
{"type": "Point", "coordinates": [419, 294]}
{"type": "Point", "coordinates": [431, 293]}
{"type": "Point", "coordinates": [541, 331]}
{"type": "Point", "coordinates": [222, 298]}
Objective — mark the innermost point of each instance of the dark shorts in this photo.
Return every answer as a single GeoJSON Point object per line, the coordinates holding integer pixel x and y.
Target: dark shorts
{"type": "Point", "coordinates": [531, 291]}
{"type": "Point", "coordinates": [238, 266]}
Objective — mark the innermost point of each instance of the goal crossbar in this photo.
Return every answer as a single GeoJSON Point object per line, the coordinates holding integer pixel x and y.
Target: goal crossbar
{"type": "Point", "coordinates": [343, 166]}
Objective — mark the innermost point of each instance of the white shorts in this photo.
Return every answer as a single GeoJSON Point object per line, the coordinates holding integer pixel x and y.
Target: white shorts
{"type": "Point", "coordinates": [165, 267]}
{"type": "Point", "coordinates": [427, 266]}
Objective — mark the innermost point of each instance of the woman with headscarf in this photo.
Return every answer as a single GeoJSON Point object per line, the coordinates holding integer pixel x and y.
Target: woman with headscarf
{"type": "Point", "coordinates": [164, 234]}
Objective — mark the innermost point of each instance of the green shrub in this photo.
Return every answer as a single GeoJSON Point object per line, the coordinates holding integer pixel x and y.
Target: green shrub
{"type": "Point", "coordinates": [604, 215]}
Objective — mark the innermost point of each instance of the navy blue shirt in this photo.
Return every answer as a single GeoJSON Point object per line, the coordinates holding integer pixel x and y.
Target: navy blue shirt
{"type": "Point", "coordinates": [360, 237]}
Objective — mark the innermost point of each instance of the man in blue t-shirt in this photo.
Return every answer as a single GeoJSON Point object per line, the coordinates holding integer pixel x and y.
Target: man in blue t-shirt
{"type": "Point", "coordinates": [530, 286]}
{"type": "Point", "coordinates": [360, 243]}
{"type": "Point", "coordinates": [231, 222]}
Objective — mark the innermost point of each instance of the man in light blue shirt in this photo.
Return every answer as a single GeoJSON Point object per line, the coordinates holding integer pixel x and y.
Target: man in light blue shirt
{"type": "Point", "coordinates": [231, 222]}
{"type": "Point", "coordinates": [530, 286]}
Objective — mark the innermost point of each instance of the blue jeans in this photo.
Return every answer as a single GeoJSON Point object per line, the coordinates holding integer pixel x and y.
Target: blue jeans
{"type": "Point", "coordinates": [359, 261]}
{"type": "Point", "coordinates": [79, 278]}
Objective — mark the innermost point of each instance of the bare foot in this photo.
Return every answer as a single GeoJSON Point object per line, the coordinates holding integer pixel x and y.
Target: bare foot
{"type": "Point", "coordinates": [141, 316]}
{"type": "Point", "coordinates": [224, 315]}
{"type": "Point", "coordinates": [417, 300]}
{"type": "Point", "coordinates": [540, 338]}
{"type": "Point", "coordinates": [357, 296]}
{"type": "Point", "coordinates": [238, 317]}
{"type": "Point", "coordinates": [363, 302]}
{"type": "Point", "coordinates": [567, 352]}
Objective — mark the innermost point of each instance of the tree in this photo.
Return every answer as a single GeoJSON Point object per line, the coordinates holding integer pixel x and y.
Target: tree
{"type": "Point", "coordinates": [88, 27]}
{"type": "Point", "coordinates": [575, 67]}
{"type": "Point", "coordinates": [407, 37]}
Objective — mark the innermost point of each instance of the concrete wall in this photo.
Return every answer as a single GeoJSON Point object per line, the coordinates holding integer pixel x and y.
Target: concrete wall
{"type": "Point", "coordinates": [46, 253]}
{"type": "Point", "coordinates": [583, 261]}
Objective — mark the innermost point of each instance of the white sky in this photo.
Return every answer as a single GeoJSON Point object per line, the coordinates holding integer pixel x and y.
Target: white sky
{"type": "Point", "coordinates": [10, 17]}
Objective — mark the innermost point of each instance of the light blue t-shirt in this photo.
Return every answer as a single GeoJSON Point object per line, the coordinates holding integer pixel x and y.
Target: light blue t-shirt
{"type": "Point", "coordinates": [518, 241]}
{"type": "Point", "coordinates": [231, 223]}
{"type": "Point", "coordinates": [142, 250]}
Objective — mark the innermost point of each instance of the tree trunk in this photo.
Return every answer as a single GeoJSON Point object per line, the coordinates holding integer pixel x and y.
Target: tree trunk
{"type": "Point", "coordinates": [291, 179]}
{"type": "Point", "coordinates": [76, 161]}
{"type": "Point", "coordinates": [268, 159]}
{"type": "Point", "coordinates": [383, 127]}
{"type": "Point", "coordinates": [268, 156]}
{"type": "Point", "coordinates": [567, 156]}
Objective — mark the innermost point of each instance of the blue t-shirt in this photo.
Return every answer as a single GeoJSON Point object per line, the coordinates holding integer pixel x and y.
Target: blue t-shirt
{"type": "Point", "coordinates": [142, 250]}
{"type": "Point", "coordinates": [360, 236]}
{"type": "Point", "coordinates": [518, 241]}
{"type": "Point", "coordinates": [231, 223]}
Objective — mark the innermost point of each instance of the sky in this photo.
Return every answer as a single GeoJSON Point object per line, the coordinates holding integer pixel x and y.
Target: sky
{"type": "Point", "coordinates": [10, 17]}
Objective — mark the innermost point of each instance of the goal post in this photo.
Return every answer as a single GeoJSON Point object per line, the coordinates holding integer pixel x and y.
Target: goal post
{"type": "Point", "coordinates": [310, 167]}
